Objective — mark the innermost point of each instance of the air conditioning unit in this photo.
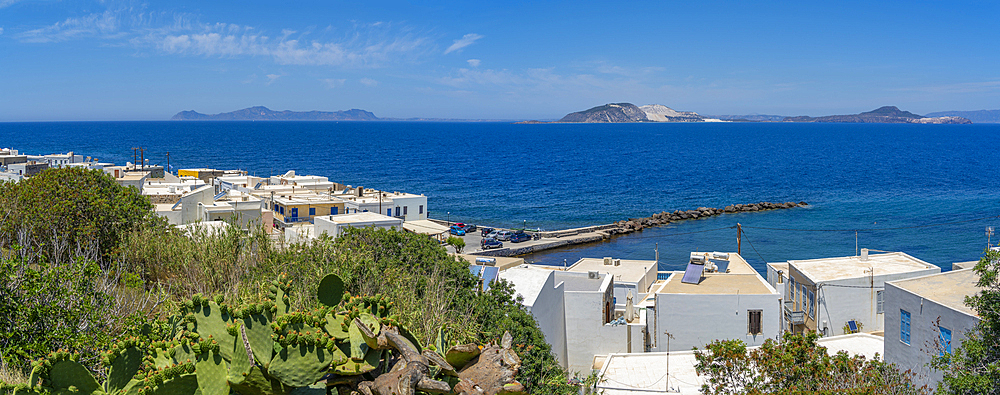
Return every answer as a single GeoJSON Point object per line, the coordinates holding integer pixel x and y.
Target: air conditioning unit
{"type": "Point", "coordinates": [618, 262]}
{"type": "Point", "coordinates": [607, 261]}
{"type": "Point", "coordinates": [593, 275]}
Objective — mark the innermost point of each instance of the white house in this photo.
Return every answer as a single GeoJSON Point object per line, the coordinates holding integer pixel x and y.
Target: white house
{"type": "Point", "coordinates": [577, 314]}
{"type": "Point", "coordinates": [927, 316]}
{"type": "Point", "coordinates": [719, 296]}
{"type": "Point", "coordinates": [334, 225]}
{"type": "Point", "coordinates": [631, 276]}
{"type": "Point", "coordinates": [825, 294]}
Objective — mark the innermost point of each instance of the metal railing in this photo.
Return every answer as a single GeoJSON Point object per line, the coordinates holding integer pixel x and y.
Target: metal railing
{"type": "Point", "coordinates": [663, 275]}
{"type": "Point", "coordinates": [794, 317]}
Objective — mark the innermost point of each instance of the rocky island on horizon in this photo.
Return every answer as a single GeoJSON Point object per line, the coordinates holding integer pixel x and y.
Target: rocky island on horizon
{"type": "Point", "coordinates": [628, 112]}
{"type": "Point", "coordinates": [261, 113]}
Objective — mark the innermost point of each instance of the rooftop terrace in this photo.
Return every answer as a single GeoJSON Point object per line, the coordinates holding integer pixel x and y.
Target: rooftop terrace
{"type": "Point", "coordinates": [827, 269]}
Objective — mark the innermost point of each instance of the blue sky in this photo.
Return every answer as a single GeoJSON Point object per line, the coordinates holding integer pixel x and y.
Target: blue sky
{"type": "Point", "coordinates": [130, 60]}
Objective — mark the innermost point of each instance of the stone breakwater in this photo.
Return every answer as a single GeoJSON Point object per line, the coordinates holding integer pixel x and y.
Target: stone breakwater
{"type": "Point", "coordinates": [663, 218]}
{"type": "Point", "coordinates": [591, 234]}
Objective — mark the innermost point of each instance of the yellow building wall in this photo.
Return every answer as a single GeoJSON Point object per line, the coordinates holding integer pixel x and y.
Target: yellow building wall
{"type": "Point", "coordinates": [321, 209]}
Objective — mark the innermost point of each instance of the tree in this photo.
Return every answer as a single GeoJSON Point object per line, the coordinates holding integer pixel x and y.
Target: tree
{"type": "Point", "coordinates": [68, 212]}
{"type": "Point", "coordinates": [796, 364]}
{"type": "Point", "coordinates": [456, 242]}
{"type": "Point", "coordinates": [974, 367]}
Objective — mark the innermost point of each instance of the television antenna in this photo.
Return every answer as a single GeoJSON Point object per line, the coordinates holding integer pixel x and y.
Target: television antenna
{"type": "Point", "coordinates": [989, 235]}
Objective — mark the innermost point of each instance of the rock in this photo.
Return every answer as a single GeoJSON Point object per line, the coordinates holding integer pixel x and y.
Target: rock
{"type": "Point", "coordinates": [730, 209]}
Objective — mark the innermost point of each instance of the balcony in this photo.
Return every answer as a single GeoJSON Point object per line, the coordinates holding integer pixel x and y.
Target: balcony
{"type": "Point", "coordinates": [794, 317]}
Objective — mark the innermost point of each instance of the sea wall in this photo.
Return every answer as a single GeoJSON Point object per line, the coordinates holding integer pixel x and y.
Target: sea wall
{"type": "Point", "coordinates": [633, 224]}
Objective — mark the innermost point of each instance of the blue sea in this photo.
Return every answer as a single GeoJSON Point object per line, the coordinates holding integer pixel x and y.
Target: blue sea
{"type": "Point", "coordinates": [927, 190]}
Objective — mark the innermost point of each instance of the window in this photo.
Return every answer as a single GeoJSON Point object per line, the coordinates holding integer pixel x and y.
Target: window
{"type": "Point", "coordinates": [904, 326]}
{"type": "Point", "coordinates": [879, 303]}
{"type": "Point", "coordinates": [404, 209]}
{"type": "Point", "coordinates": [805, 301]}
{"type": "Point", "coordinates": [421, 209]}
{"type": "Point", "coordinates": [791, 289]}
{"type": "Point", "coordinates": [753, 322]}
{"type": "Point", "coordinates": [333, 211]}
{"type": "Point", "coordinates": [295, 212]}
{"type": "Point", "coordinates": [945, 340]}
{"type": "Point", "coordinates": [812, 305]}
{"type": "Point", "coordinates": [397, 211]}
{"type": "Point", "coordinates": [312, 211]}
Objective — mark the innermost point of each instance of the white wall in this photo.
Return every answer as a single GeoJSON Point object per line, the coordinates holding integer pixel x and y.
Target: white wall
{"type": "Point", "coordinates": [855, 299]}
{"type": "Point", "coordinates": [696, 320]}
{"type": "Point", "coordinates": [925, 316]}
{"type": "Point", "coordinates": [333, 229]}
{"type": "Point", "coordinates": [190, 212]}
{"type": "Point", "coordinates": [412, 204]}
{"type": "Point", "coordinates": [550, 313]}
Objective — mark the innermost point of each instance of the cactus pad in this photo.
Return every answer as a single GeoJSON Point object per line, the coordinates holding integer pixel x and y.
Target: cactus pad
{"type": "Point", "coordinates": [67, 373]}
{"type": "Point", "coordinates": [186, 384]}
{"type": "Point", "coordinates": [240, 365]}
{"type": "Point", "coordinates": [257, 383]}
{"type": "Point", "coordinates": [300, 366]}
{"type": "Point", "coordinates": [212, 322]}
{"type": "Point", "coordinates": [258, 331]}
{"type": "Point", "coordinates": [211, 371]}
{"type": "Point", "coordinates": [350, 367]}
{"type": "Point", "coordinates": [460, 355]}
{"type": "Point", "coordinates": [334, 326]}
{"type": "Point", "coordinates": [330, 290]}
{"type": "Point", "coordinates": [123, 368]}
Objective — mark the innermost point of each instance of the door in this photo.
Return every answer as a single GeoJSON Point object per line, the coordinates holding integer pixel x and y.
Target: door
{"type": "Point", "coordinates": [295, 213]}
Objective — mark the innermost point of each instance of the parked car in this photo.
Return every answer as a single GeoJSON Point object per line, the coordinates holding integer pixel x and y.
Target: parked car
{"type": "Point", "coordinates": [457, 231]}
{"type": "Point", "coordinates": [486, 231]}
{"type": "Point", "coordinates": [469, 228]}
{"type": "Point", "coordinates": [519, 237]}
{"type": "Point", "coordinates": [490, 242]}
{"type": "Point", "coordinates": [502, 235]}
{"type": "Point", "coordinates": [459, 224]}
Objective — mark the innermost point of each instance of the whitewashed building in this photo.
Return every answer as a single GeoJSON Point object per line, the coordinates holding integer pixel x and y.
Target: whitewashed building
{"type": "Point", "coordinates": [827, 295]}
{"type": "Point", "coordinates": [719, 296]}
{"type": "Point", "coordinates": [925, 317]}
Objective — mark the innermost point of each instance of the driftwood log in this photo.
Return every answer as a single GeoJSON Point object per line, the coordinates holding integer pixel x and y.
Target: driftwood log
{"type": "Point", "coordinates": [489, 371]}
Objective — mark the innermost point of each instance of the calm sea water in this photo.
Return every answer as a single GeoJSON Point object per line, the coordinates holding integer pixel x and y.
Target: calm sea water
{"type": "Point", "coordinates": [872, 177]}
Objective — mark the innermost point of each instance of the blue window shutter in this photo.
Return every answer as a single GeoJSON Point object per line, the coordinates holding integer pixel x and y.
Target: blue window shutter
{"type": "Point", "coordinates": [312, 211]}
{"type": "Point", "coordinates": [388, 212]}
{"type": "Point", "coordinates": [333, 211]}
{"type": "Point", "coordinates": [904, 326]}
{"type": "Point", "coordinates": [945, 340]}
{"type": "Point", "coordinates": [295, 212]}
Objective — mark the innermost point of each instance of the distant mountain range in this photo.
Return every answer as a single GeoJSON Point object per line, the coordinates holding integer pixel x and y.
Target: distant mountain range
{"type": "Point", "coordinates": [981, 116]}
{"type": "Point", "coordinates": [261, 113]}
{"type": "Point", "coordinates": [627, 112]}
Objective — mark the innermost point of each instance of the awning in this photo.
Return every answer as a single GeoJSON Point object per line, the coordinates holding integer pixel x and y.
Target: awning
{"type": "Point", "coordinates": [425, 227]}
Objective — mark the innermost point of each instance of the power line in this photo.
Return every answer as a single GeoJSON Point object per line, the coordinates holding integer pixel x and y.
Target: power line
{"type": "Point", "coordinates": [874, 229]}
{"type": "Point", "coordinates": [754, 248]}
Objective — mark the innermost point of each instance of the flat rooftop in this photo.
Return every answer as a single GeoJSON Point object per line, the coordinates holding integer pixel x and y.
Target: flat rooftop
{"type": "Point", "coordinates": [826, 269]}
{"type": "Point", "coordinates": [855, 344]}
{"type": "Point", "coordinates": [528, 281]}
{"type": "Point", "coordinates": [717, 284]}
{"type": "Point", "coordinates": [363, 217]}
{"type": "Point", "coordinates": [948, 289]}
{"type": "Point", "coordinates": [629, 270]}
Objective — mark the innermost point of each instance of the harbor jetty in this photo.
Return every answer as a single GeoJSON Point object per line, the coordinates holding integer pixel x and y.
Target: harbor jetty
{"type": "Point", "coordinates": [589, 234]}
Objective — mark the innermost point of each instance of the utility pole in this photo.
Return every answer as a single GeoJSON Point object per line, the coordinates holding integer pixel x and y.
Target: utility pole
{"type": "Point", "coordinates": [142, 157]}
{"type": "Point", "coordinates": [168, 162]}
{"type": "Point", "coordinates": [739, 239]}
{"type": "Point", "coordinates": [135, 156]}
{"type": "Point", "coordinates": [669, 336]}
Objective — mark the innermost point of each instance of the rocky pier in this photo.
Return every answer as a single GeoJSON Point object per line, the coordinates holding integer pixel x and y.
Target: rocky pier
{"type": "Point", "coordinates": [634, 224]}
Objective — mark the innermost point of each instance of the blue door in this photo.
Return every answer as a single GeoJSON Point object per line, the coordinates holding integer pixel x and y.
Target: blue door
{"type": "Point", "coordinates": [333, 211]}
{"type": "Point", "coordinates": [295, 213]}
{"type": "Point", "coordinates": [388, 212]}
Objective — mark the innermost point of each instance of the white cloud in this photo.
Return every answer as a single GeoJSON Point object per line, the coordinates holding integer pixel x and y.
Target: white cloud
{"type": "Point", "coordinates": [272, 77]}
{"type": "Point", "coordinates": [367, 45]}
{"type": "Point", "coordinates": [1, 30]}
{"type": "Point", "coordinates": [474, 62]}
{"type": "Point", "coordinates": [8, 3]}
{"type": "Point", "coordinates": [332, 82]}
{"type": "Point", "coordinates": [105, 24]}
{"type": "Point", "coordinates": [368, 82]}
{"type": "Point", "coordinates": [463, 42]}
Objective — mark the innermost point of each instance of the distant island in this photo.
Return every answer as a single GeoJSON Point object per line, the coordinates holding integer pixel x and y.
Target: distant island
{"type": "Point", "coordinates": [981, 116]}
{"type": "Point", "coordinates": [260, 113]}
{"type": "Point", "coordinates": [628, 112]}
{"type": "Point", "coordinates": [887, 114]}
